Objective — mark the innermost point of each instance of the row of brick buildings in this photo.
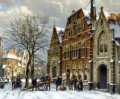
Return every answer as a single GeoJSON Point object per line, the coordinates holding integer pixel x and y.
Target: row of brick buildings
{"type": "Point", "coordinates": [90, 49]}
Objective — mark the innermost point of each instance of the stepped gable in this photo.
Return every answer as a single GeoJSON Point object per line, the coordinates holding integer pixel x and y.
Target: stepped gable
{"type": "Point", "coordinates": [55, 37]}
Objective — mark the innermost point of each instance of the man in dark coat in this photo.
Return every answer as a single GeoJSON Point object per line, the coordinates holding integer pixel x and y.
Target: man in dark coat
{"type": "Point", "coordinates": [18, 81]}
{"type": "Point", "coordinates": [48, 82]}
{"type": "Point", "coordinates": [58, 83]}
{"type": "Point", "coordinates": [71, 82]}
{"type": "Point", "coordinates": [80, 84]}
{"type": "Point", "coordinates": [75, 82]}
{"type": "Point", "coordinates": [34, 83]}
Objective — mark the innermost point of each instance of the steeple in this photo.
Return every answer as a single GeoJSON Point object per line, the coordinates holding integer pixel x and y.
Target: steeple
{"type": "Point", "coordinates": [54, 35]}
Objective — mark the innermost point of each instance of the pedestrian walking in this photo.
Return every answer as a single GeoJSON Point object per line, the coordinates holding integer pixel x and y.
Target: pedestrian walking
{"type": "Point", "coordinates": [34, 83]}
{"type": "Point", "coordinates": [75, 82]}
{"type": "Point", "coordinates": [58, 83]}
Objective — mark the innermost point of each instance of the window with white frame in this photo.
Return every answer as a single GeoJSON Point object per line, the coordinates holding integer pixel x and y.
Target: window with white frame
{"type": "Point", "coordinates": [83, 50]}
{"type": "Point", "coordinates": [70, 31]}
{"type": "Point", "coordinates": [79, 27]}
{"type": "Point", "coordinates": [74, 51]}
{"type": "Point", "coordinates": [68, 51]}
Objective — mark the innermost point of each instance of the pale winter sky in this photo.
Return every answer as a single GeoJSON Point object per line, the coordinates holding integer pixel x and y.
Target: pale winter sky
{"type": "Point", "coordinates": [57, 10]}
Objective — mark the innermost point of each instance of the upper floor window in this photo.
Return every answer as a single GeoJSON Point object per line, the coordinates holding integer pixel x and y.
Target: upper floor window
{"type": "Point", "coordinates": [102, 45]}
{"type": "Point", "coordinates": [83, 24]}
{"type": "Point", "coordinates": [83, 50]}
{"type": "Point", "coordinates": [74, 50]}
{"type": "Point", "coordinates": [79, 27]}
{"type": "Point", "coordinates": [68, 51]}
{"type": "Point", "coordinates": [70, 31]}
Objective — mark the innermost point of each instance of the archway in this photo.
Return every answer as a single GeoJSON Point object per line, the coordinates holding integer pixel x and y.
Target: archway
{"type": "Point", "coordinates": [103, 76]}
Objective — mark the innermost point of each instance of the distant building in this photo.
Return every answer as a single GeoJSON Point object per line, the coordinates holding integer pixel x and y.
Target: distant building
{"type": "Point", "coordinates": [54, 66]}
{"type": "Point", "coordinates": [15, 62]}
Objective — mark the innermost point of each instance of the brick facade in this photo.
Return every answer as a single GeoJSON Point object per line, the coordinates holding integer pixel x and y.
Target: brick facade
{"type": "Point", "coordinates": [77, 47]}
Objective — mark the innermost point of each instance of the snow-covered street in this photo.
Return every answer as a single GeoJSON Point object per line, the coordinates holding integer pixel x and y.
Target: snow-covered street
{"type": "Point", "coordinates": [8, 93]}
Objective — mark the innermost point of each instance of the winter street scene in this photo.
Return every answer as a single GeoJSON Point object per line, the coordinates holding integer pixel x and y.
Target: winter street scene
{"type": "Point", "coordinates": [60, 49]}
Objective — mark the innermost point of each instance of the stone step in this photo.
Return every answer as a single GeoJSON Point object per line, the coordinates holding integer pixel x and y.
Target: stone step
{"type": "Point", "coordinates": [102, 90]}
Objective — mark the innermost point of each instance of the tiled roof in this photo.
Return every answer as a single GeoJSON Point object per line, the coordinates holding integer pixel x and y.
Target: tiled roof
{"type": "Point", "coordinates": [11, 52]}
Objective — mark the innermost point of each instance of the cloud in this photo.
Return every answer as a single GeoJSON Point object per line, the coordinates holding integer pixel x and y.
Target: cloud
{"type": "Point", "coordinates": [57, 10]}
{"type": "Point", "coordinates": [110, 5]}
{"type": "Point", "coordinates": [7, 2]}
{"type": "Point", "coordinates": [10, 15]}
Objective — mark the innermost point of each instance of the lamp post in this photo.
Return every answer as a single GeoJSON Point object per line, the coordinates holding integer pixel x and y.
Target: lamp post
{"type": "Point", "coordinates": [12, 78]}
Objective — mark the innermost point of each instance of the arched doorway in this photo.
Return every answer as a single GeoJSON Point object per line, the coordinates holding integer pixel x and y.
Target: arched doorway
{"type": "Point", "coordinates": [103, 76]}
{"type": "Point", "coordinates": [54, 71]}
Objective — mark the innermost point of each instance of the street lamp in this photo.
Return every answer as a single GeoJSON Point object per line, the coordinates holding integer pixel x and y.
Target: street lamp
{"type": "Point", "coordinates": [12, 73]}
{"type": "Point", "coordinates": [12, 78]}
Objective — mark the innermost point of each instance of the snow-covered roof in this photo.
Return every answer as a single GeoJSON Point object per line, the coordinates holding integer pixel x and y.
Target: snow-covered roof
{"type": "Point", "coordinates": [1, 79]}
{"type": "Point", "coordinates": [112, 60]}
{"type": "Point", "coordinates": [116, 28]}
{"type": "Point", "coordinates": [90, 61]}
{"type": "Point", "coordinates": [113, 19]}
{"type": "Point", "coordinates": [59, 61]}
{"type": "Point", "coordinates": [119, 61]}
{"type": "Point", "coordinates": [4, 66]}
{"type": "Point", "coordinates": [86, 12]}
{"type": "Point", "coordinates": [117, 43]}
{"type": "Point", "coordinates": [12, 56]}
{"type": "Point", "coordinates": [19, 58]}
{"type": "Point", "coordinates": [60, 31]}
{"type": "Point", "coordinates": [111, 15]}
{"type": "Point", "coordinates": [19, 64]}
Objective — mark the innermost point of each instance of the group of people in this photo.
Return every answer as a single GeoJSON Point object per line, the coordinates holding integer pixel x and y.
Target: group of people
{"type": "Point", "coordinates": [47, 81]}
{"type": "Point", "coordinates": [75, 83]}
{"type": "Point", "coordinates": [16, 82]}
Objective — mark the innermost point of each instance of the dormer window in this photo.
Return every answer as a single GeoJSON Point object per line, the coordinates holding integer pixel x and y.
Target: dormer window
{"type": "Point", "coordinates": [79, 27]}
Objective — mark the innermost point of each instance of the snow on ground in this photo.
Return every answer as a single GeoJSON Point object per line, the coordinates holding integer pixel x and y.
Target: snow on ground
{"type": "Point", "coordinates": [8, 93]}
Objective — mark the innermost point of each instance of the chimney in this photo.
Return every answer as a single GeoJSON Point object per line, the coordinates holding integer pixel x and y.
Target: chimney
{"type": "Point", "coordinates": [93, 10]}
{"type": "Point", "coordinates": [15, 50]}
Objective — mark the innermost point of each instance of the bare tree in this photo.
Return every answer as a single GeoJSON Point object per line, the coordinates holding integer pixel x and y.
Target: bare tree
{"type": "Point", "coordinates": [29, 32]}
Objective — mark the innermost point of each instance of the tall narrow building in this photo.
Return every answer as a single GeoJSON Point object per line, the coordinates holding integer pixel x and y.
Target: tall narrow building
{"type": "Point", "coordinates": [77, 48]}
{"type": "Point", "coordinates": [106, 55]}
{"type": "Point", "coordinates": [54, 67]}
